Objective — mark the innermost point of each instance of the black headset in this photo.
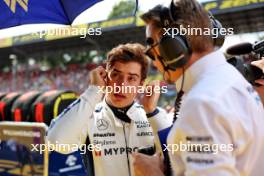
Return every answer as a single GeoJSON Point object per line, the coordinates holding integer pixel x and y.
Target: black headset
{"type": "Point", "coordinates": [175, 51]}
{"type": "Point", "coordinates": [219, 39]}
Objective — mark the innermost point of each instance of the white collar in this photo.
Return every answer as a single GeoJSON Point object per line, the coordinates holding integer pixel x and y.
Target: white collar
{"type": "Point", "coordinates": [201, 66]}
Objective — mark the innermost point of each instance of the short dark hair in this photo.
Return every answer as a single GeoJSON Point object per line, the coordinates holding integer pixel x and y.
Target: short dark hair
{"type": "Point", "coordinates": [188, 13]}
{"type": "Point", "coordinates": [130, 52]}
{"type": "Point", "coordinates": [154, 15]}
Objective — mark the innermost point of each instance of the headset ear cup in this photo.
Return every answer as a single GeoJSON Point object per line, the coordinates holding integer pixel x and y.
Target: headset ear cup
{"type": "Point", "coordinates": [172, 11]}
{"type": "Point", "coordinates": [174, 51]}
{"type": "Point", "coordinates": [218, 38]}
{"type": "Point", "coordinates": [164, 17]}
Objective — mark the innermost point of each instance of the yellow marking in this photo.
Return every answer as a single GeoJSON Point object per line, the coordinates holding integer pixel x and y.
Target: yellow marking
{"type": "Point", "coordinates": [12, 4]}
{"type": "Point", "coordinates": [7, 166]}
{"type": "Point", "coordinates": [7, 2]}
{"type": "Point", "coordinates": [46, 163]}
{"type": "Point", "coordinates": [226, 4]}
{"type": "Point", "coordinates": [139, 21]}
{"type": "Point", "coordinates": [238, 3]}
{"type": "Point", "coordinates": [210, 6]}
{"type": "Point", "coordinates": [8, 162]}
{"type": "Point", "coordinates": [56, 107]}
{"type": "Point", "coordinates": [68, 96]}
{"type": "Point", "coordinates": [23, 4]}
{"type": "Point", "coordinates": [65, 96]}
{"type": "Point", "coordinates": [25, 38]}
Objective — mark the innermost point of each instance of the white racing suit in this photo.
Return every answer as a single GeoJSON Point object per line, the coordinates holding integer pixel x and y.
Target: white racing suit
{"type": "Point", "coordinates": [88, 117]}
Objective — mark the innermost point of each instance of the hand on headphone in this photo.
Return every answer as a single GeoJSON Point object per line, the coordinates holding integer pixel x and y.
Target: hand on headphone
{"type": "Point", "coordinates": [98, 76]}
{"type": "Point", "coordinates": [259, 64]}
{"type": "Point", "coordinates": [151, 97]}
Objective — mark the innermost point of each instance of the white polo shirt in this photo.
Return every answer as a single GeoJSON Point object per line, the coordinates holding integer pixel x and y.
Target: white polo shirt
{"type": "Point", "coordinates": [221, 121]}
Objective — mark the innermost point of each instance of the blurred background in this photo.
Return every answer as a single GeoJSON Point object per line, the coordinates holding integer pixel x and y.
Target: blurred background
{"type": "Point", "coordinates": [28, 62]}
{"type": "Point", "coordinates": [41, 76]}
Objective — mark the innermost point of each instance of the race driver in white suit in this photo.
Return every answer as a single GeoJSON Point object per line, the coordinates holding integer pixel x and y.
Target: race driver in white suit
{"type": "Point", "coordinates": [117, 123]}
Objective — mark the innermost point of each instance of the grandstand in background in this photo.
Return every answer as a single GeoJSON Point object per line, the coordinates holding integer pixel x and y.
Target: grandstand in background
{"type": "Point", "coordinates": [243, 16]}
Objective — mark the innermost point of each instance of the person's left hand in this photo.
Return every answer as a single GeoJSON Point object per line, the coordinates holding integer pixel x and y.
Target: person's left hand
{"type": "Point", "coordinates": [260, 81]}
{"type": "Point", "coordinates": [260, 90]}
{"type": "Point", "coordinates": [150, 101]}
{"type": "Point", "coordinates": [259, 64]}
{"type": "Point", "coordinates": [145, 165]}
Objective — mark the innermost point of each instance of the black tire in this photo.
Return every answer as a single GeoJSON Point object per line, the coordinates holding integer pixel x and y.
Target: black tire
{"type": "Point", "coordinates": [6, 104]}
{"type": "Point", "coordinates": [22, 105]}
{"type": "Point", "coordinates": [50, 104]}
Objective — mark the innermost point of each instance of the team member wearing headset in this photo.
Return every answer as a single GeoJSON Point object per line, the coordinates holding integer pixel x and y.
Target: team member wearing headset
{"type": "Point", "coordinates": [219, 107]}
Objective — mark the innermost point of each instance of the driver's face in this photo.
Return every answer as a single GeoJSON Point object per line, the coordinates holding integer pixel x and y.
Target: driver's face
{"type": "Point", "coordinates": [154, 34]}
{"type": "Point", "coordinates": [124, 75]}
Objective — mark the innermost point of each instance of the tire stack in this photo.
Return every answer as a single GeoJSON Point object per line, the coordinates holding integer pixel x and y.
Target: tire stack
{"type": "Point", "coordinates": [34, 106]}
{"type": "Point", "coordinates": [50, 104]}
{"type": "Point", "coordinates": [22, 106]}
{"type": "Point", "coordinates": [6, 104]}
{"type": "Point", "coordinates": [2, 95]}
